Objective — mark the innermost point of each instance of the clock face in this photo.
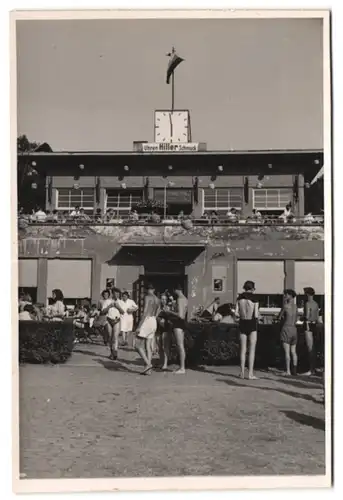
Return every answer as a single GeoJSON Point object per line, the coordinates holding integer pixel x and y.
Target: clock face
{"type": "Point", "coordinates": [163, 126]}
{"type": "Point", "coordinates": [180, 126]}
{"type": "Point", "coordinates": [172, 126]}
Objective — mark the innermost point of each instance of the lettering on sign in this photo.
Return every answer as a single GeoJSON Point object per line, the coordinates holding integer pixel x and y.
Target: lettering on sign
{"type": "Point", "coordinates": [169, 147]}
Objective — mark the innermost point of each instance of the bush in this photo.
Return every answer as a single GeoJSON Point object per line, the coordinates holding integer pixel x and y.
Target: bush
{"type": "Point", "coordinates": [45, 342]}
{"type": "Point", "coordinates": [218, 344]}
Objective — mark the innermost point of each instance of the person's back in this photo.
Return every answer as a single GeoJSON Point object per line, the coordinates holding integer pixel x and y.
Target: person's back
{"type": "Point", "coordinates": [312, 311]}
{"type": "Point", "coordinates": [181, 306]}
{"type": "Point", "coordinates": [152, 305]}
{"type": "Point", "coordinates": [246, 306]}
{"type": "Point", "coordinates": [290, 314]}
{"type": "Point", "coordinates": [247, 312]}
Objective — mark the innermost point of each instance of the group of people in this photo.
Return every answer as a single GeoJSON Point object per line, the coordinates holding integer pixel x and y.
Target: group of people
{"type": "Point", "coordinates": [247, 312]}
{"type": "Point", "coordinates": [78, 214]}
{"type": "Point", "coordinates": [164, 318]}
{"type": "Point", "coordinates": [28, 311]}
{"type": "Point", "coordinates": [161, 318]}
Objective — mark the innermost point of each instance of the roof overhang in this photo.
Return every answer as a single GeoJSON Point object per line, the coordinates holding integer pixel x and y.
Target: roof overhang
{"type": "Point", "coordinates": [194, 163]}
{"type": "Point", "coordinates": [148, 253]}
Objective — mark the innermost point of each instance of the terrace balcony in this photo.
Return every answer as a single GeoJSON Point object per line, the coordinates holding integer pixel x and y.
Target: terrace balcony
{"type": "Point", "coordinates": [149, 229]}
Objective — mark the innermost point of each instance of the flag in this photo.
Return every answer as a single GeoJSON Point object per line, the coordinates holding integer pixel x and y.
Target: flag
{"type": "Point", "coordinates": [174, 61]}
{"type": "Point", "coordinates": [319, 175]}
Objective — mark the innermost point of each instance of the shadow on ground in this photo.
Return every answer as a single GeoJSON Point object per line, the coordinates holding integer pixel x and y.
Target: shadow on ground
{"type": "Point", "coordinates": [300, 418]}
{"type": "Point", "coordinates": [115, 366]}
{"type": "Point", "coordinates": [298, 395]}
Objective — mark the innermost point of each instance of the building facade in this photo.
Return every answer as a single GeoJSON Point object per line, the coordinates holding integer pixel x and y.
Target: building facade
{"type": "Point", "coordinates": [209, 258]}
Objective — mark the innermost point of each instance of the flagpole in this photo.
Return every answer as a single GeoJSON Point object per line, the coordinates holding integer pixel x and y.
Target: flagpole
{"type": "Point", "coordinates": [172, 106]}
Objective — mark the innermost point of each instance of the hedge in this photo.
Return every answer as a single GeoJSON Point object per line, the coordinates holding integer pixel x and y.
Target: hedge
{"type": "Point", "coordinates": [218, 344]}
{"type": "Point", "coordinates": [45, 342]}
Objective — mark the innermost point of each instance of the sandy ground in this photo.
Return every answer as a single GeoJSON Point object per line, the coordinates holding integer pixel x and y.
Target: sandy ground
{"type": "Point", "coordinates": [97, 418]}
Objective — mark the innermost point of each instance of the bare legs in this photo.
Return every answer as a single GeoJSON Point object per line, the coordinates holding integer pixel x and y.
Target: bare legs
{"type": "Point", "coordinates": [286, 348]}
{"type": "Point", "coordinates": [124, 337]}
{"type": "Point", "coordinates": [290, 352]}
{"type": "Point", "coordinates": [164, 349]}
{"type": "Point", "coordinates": [311, 351]}
{"type": "Point", "coordinates": [113, 331]}
{"type": "Point", "coordinates": [144, 349]}
{"type": "Point", "coordinates": [294, 357]}
{"type": "Point", "coordinates": [243, 354]}
{"type": "Point", "coordinates": [180, 342]}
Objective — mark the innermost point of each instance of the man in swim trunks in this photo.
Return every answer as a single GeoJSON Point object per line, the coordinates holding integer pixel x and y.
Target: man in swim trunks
{"type": "Point", "coordinates": [289, 335]}
{"type": "Point", "coordinates": [247, 313]}
{"type": "Point", "coordinates": [311, 316]}
{"type": "Point", "coordinates": [178, 327]}
{"type": "Point", "coordinates": [147, 327]}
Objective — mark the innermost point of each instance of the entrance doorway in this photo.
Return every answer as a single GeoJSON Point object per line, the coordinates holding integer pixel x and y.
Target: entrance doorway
{"type": "Point", "coordinates": [167, 282]}
{"type": "Point", "coordinates": [161, 281]}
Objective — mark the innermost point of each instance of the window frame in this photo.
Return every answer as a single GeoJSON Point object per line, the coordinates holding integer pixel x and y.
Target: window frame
{"type": "Point", "coordinates": [179, 206]}
{"type": "Point", "coordinates": [72, 206]}
{"type": "Point", "coordinates": [281, 205]}
{"type": "Point", "coordinates": [221, 209]}
{"type": "Point", "coordinates": [126, 193]}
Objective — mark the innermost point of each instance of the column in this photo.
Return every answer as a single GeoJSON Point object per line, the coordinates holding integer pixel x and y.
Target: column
{"type": "Point", "coordinates": [102, 199]}
{"type": "Point", "coordinates": [42, 281]}
{"type": "Point", "coordinates": [301, 196]}
{"type": "Point", "coordinates": [289, 274]}
{"type": "Point", "coordinates": [198, 207]}
{"type": "Point", "coordinates": [96, 279]}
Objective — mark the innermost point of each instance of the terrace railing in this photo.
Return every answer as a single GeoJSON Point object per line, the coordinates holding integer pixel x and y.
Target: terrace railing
{"type": "Point", "coordinates": [126, 220]}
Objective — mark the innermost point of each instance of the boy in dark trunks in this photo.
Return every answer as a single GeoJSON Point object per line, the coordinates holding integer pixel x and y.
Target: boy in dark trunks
{"type": "Point", "coordinates": [311, 316]}
{"type": "Point", "coordinates": [247, 313]}
{"type": "Point", "coordinates": [177, 318]}
{"type": "Point", "coordinates": [289, 335]}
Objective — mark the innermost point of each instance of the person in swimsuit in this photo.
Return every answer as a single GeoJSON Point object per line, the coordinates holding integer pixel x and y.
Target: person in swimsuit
{"type": "Point", "coordinates": [164, 331]}
{"type": "Point", "coordinates": [178, 318]}
{"type": "Point", "coordinates": [247, 313]}
{"type": "Point", "coordinates": [289, 335]}
{"type": "Point", "coordinates": [147, 327]}
{"type": "Point", "coordinates": [311, 316]}
{"type": "Point", "coordinates": [114, 312]}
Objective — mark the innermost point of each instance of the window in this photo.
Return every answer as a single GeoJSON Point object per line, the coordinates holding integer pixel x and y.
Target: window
{"type": "Point", "coordinates": [32, 291]}
{"type": "Point", "coordinates": [72, 276]}
{"type": "Point", "coordinates": [272, 199]}
{"type": "Point", "coordinates": [67, 199]}
{"type": "Point", "coordinates": [123, 200]}
{"type": "Point", "coordinates": [222, 199]}
{"type": "Point", "coordinates": [310, 273]}
{"type": "Point", "coordinates": [269, 279]}
{"type": "Point", "coordinates": [176, 200]}
{"type": "Point", "coordinates": [272, 300]}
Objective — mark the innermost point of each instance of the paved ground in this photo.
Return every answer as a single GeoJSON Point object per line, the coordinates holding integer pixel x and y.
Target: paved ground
{"type": "Point", "coordinates": [96, 418]}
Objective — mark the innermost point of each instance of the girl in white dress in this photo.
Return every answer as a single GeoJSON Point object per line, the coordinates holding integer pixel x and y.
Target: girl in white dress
{"type": "Point", "coordinates": [126, 320]}
{"type": "Point", "coordinates": [114, 312]}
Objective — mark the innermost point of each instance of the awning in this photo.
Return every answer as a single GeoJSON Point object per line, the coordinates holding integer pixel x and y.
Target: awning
{"type": "Point", "coordinates": [148, 254]}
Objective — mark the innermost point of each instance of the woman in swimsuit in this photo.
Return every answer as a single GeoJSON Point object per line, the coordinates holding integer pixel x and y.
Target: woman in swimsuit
{"type": "Point", "coordinates": [247, 313]}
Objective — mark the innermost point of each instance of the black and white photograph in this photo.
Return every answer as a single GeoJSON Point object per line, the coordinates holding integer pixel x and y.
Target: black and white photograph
{"type": "Point", "coordinates": [173, 253]}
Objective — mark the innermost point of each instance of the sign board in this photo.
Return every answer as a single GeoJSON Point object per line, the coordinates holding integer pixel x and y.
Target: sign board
{"type": "Point", "coordinates": [170, 147]}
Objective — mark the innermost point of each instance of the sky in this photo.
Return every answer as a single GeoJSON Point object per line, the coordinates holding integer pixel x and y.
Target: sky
{"type": "Point", "coordinates": [94, 84]}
